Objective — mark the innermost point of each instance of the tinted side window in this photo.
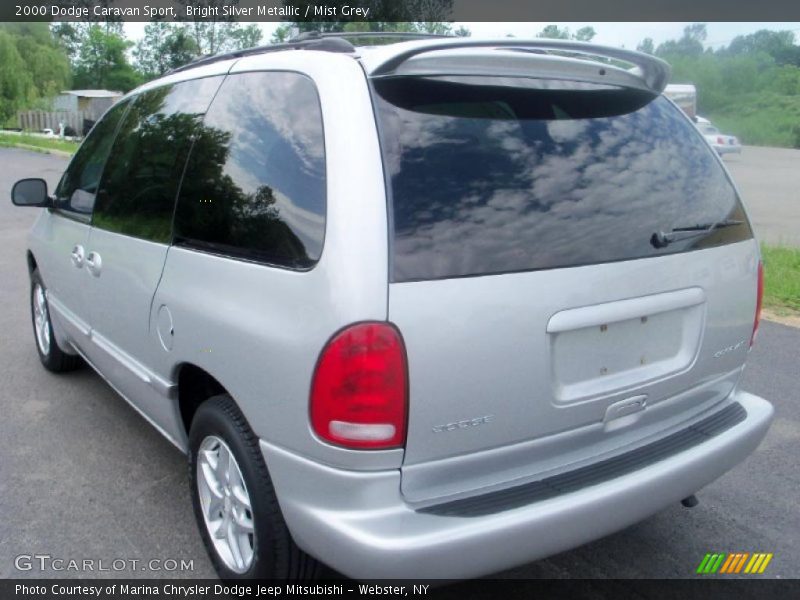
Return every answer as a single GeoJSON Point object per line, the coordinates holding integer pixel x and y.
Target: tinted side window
{"type": "Point", "coordinates": [255, 182]}
{"type": "Point", "coordinates": [140, 182]}
{"type": "Point", "coordinates": [77, 188]}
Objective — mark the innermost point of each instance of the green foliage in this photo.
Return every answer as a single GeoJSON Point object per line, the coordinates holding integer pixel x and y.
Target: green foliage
{"type": "Point", "coordinates": [647, 46]}
{"type": "Point", "coordinates": [690, 44]}
{"type": "Point", "coordinates": [101, 61]}
{"type": "Point", "coordinates": [781, 277]}
{"type": "Point", "coordinates": [554, 32]}
{"type": "Point", "coordinates": [11, 140]}
{"type": "Point", "coordinates": [15, 82]}
{"type": "Point", "coordinates": [778, 44]}
{"type": "Point", "coordinates": [222, 34]}
{"type": "Point", "coordinates": [164, 46]}
{"type": "Point", "coordinates": [761, 118]}
{"type": "Point", "coordinates": [33, 67]}
{"type": "Point", "coordinates": [584, 34]}
{"type": "Point", "coordinates": [750, 88]}
{"type": "Point", "coordinates": [283, 32]}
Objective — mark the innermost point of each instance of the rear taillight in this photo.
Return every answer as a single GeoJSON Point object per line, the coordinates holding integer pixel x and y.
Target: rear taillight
{"type": "Point", "coordinates": [359, 391]}
{"type": "Point", "coordinates": [759, 296]}
{"type": "Point", "coordinates": [720, 141]}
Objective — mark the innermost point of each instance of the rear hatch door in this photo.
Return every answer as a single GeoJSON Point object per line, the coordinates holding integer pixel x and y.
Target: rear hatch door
{"type": "Point", "coordinates": [563, 256]}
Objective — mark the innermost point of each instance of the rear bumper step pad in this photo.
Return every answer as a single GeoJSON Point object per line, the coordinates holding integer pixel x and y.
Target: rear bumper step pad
{"type": "Point", "coordinates": [593, 474]}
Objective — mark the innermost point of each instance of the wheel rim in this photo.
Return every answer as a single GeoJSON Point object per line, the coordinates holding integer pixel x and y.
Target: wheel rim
{"type": "Point", "coordinates": [225, 504]}
{"type": "Point", "coordinates": [41, 319]}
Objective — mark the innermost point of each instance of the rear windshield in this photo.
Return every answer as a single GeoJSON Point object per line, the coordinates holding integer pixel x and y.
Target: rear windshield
{"type": "Point", "coordinates": [486, 177]}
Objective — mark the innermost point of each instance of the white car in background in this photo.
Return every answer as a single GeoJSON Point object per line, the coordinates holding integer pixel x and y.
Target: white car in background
{"type": "Point", "coordinates": [723, 144]}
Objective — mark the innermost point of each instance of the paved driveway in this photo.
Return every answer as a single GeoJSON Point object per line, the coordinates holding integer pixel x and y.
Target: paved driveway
{"type": "Point", "coordinates": [769, 180]}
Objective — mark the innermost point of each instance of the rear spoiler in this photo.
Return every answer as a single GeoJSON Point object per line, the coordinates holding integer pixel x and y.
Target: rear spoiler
{"type": "Point", "coordinates": [544, 58]}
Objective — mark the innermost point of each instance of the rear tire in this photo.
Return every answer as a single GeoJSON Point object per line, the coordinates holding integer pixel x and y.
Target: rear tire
{"type": "Point", "coordinates": [234, 501]}
{"type": "Point", "coordinates": [52, 356]}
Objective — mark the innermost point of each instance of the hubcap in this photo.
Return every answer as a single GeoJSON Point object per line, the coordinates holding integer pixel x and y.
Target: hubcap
{"type": "Point", "coordinates": [225, 503]}
{"type": "Point", "coordinates": [41, 319]}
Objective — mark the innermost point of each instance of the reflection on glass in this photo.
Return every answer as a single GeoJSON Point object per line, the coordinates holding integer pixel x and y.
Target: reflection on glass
{"type": "Point", "coordinates": [255, 182]}
{"type": "Point", "coordinates": [78, 186]}
{"type": "Point", "coordinates": [141, 178]}
{"type": "Point", "coordinates": [493, 179]}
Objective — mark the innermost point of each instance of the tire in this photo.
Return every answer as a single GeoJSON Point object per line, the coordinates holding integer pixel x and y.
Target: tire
{"type": "Point", "coordinates": [52, 356]}
{"type": "Point", "coordinates": [219, 427]}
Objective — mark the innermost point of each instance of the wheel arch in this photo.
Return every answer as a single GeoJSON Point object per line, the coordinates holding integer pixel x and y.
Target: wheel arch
{"type": "Point", "coordinates": [195, 386]}
{"type": "Point", "coordinates": [31, 260]}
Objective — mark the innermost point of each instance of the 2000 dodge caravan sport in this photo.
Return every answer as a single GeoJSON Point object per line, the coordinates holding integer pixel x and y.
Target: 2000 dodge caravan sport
{"type": "Point", "coordinates": [428, 309]}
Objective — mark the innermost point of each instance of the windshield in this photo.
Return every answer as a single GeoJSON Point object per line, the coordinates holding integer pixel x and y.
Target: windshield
{"type": "Point", "coordinates": [490, 178]}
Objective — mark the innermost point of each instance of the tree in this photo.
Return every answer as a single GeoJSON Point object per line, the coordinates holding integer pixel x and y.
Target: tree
{"type": "Point", "coordinates": [387, 13]}
{"type": "Point", "coordinates": [692, 43]}
{"type": "Point", "coordinates": [646, 46]}
{"type": "Point", "coordinates": [45, 61]}
{"type": "Point", "coordinates": [778, 44]}
{"type": "Point", "coordinates": [412, 16]}
{"type": "Point", "coordinates": [164, 46]}
{"type": "Point", "coordinates": [584, 34]}
{"type": "Point", "coordinates": [247, 37]}
{"type": "Point", "coordinates": [554, 32]}
{"type": "Point", "coordinates": [15, 82]}
{"type": "Point", "coordinates": [33, 67]}
{"type": "Point", "coordinates": [212, 36]}
{"type": "Point", "coordinates": [102, 62]}
{"type": "Point", "coordinates": [281, 34]}
{"type": "Point", "coordinates": [70, 35]}
{"type": "Point", "coordinates": [99, 45]}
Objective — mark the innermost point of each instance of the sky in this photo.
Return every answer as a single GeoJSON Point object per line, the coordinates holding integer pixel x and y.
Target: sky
{"type": "Point", "coordinates": [627, 35]}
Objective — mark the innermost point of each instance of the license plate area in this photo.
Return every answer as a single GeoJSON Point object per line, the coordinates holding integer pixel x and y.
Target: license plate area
{"type": "Point", "coordinates": [601, 349]}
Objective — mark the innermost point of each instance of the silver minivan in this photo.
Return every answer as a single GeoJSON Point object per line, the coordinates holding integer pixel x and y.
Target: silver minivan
{"type": "Point", "coordinates": [430, 309]}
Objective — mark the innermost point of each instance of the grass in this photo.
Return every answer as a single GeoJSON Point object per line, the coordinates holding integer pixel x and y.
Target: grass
{"type": "Point", "coordinates": [761, 119]}
{"type": "Point", "coordinates": [30, 141]}
{"type": "Point", "coordinates": [781, 278]}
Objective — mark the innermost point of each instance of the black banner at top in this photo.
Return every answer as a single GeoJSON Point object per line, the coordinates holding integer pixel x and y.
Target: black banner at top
{"type": "Point", "coordinates": [399, 10]}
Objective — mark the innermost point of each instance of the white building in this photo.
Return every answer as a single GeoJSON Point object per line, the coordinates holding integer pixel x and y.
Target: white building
{"type": "Point", "coordinates": [92, 102]}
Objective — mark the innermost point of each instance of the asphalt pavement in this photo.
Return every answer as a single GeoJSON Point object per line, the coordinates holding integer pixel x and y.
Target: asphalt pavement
{"type": "Point", "coordinates": [83, 476]}
{"type": "Point", "coordinates": [769, 181]}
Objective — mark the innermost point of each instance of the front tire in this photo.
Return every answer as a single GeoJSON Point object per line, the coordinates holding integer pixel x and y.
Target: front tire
{"type": "Point", "coordinates": [234, 501]}
{"type": "Point", "coordinates": [50, 354]}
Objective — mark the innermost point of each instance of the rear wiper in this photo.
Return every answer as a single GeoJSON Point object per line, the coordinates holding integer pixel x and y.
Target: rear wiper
{"type": "Point", "coordinates": [661, 240]}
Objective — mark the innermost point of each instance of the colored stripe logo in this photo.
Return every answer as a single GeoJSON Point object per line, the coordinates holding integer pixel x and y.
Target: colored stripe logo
{"type": "Point", "coordinates": [736, 562]}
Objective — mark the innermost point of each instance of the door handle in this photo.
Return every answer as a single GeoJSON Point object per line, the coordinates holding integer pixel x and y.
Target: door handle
{"type": "Point", "coordinates": [77, 256]}
{"type": "Point", "coordinates": [94, 263]}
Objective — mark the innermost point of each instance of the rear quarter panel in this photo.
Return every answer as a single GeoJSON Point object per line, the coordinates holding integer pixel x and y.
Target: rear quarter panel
{"type": "Point", "coordinates": [259, 330]}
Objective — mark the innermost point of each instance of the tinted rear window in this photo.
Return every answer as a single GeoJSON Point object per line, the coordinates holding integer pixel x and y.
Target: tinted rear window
{"type": "Point", "coordinates": [494, 178]}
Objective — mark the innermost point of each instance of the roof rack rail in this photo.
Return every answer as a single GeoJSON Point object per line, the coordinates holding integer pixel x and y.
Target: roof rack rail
{"type": "Point", "coordinates": [310, 40]}
{"type": "Point", "coordinates": [318, 42]}
{"type": "Point", "coordinates": [348, 35]}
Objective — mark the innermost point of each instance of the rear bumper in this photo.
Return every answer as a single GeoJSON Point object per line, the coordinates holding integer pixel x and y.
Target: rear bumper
{"type": "Point", "coordinates": [359, 523]}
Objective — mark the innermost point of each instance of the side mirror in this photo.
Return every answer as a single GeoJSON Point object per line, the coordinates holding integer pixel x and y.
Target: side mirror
{"type": "Point", "coordinates": [30, 192]}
